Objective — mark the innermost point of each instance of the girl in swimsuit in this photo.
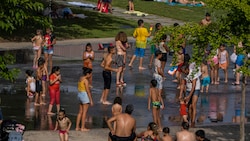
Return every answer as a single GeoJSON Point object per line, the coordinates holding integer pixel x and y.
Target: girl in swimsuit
{"type": "Point", "coordinates": [88, 58]}
{"type": "Point", "coordinates": [31, 84]}
{"type": "Point", "coordinates": [64, 125]}
{"type": "Point", "coordinates": [44, 80]}
{"type": "Point", "coordinates": [37, 41]}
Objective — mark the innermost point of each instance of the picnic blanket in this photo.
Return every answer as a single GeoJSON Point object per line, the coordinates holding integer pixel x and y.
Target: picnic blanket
{"type": "Point", "coordinates": [180, 4]}
{"type": "Point", "coordinates": [136, 13]}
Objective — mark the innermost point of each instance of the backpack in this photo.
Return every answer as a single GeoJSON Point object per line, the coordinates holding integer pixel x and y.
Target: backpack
{"type": "Point", "coordinates": [15, 136]}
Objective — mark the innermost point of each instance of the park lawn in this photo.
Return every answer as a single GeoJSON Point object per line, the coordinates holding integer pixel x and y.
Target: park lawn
{"type": "Point", "coordinates": [182, 13]}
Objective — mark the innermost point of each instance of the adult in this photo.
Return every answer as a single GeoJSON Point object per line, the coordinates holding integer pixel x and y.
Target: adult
{"type": "Point", "coordinates": [106, 74]}
{"type": "Point", "coordinates": [207, 20]}
{"type": "Point", "coordinates": [49, 42]}
{"type": "Point", "coordinates": [125, 126]}
{"type": "Point", "coordinates": [54, 89]}
{"type": "Point", "coordinates": [200, 135]}
{"type": "Point", "coordinates": [184, 134]}
{"type": "Point", "coordinates": [85, 99]}
{"type": "Point", "coordinates": [192, 89]}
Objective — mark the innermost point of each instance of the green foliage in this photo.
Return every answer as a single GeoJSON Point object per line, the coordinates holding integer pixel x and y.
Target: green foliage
{"type": "Point", "coordinates": [16, 14]}
{"type": "Point", "coordinates": [5, 71]}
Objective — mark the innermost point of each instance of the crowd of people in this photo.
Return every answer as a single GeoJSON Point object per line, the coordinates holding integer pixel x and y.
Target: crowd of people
{"type": "Point", "coordinates": [191, 80]}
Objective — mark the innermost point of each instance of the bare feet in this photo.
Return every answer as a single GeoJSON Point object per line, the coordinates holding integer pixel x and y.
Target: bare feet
{"type": "Point", "coordinates": [43, 103]}
{"type": "Point", "coordinates": [106, 103]}
{"type": "Point", "coordinates": [142, 68]}
{"type": "Point", "coordinates": [77, 129]}
{"type": "Point", "coordinates": [130, 66]}
{"type": "Point", "coordinates": [37, 104]}
{"type": "Point", "coordinates": [50, 113]}
{"type": "Point", "coordinates": [217, 83]}
{"type": "Point", "coordinates": [84, 129]}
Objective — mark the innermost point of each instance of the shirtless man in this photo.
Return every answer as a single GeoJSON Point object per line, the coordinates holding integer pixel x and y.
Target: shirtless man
{"type": "Point", "coordinates": [205, 77]}
{"type": "Point", "coordinates": [106, 64]}
{"type": "Point", "coordinates": [125, 126]}
{"type": "Point", "coordinates": [184, 134]}
{"type": "Point", "coordinates": [207, 20]}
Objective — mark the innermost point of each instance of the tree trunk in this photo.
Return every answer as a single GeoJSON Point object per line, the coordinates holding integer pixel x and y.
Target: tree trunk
{"type": "Point", "coordinates": [242, 115]}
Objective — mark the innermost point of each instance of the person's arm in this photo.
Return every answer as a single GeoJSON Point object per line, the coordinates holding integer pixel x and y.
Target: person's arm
{"type": "Point", "coordinates": [28, 86]}
{"type": "Point", "coordinates": [192, 90]}
{"type": "Point", "coordinates": [53, 81]}
{"type": "Point", "coordinates": [86, 83]}
{"type": "Point", "coordinates": [103, 62]}
{"type": "Point", "coordinates": [149, 99]}
{"type": "Point", "coordinates": [161, 100]}
{"type": "Point", "coordinates": [227, 56]}
{"type": "Point", "coordinates": [54, 41]}
{"type": "Point", "coordinates": [84, 56]}
{"type": "Point", "coordinates": [93, 56]}
{"type": "Point", "coordinates": [33, 39]}
{"type": "Point", "coordinates": [69, 124]}
{"type": "Point", "coordinates": [182, 88]}
{"type": "Point", "coordinates": [121, 45]}
{"type": "Point", "coordinates": [166, 47]}
{"type": "Point", "coordinates": [159, 69]}
{"type": "Point", "coordinates": [109, 123]}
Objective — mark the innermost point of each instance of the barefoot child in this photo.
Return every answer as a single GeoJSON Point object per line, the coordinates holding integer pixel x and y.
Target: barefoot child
{"type": "Point", "coordinates": [204, 77]}
{"type": "Point", "coordinates": [31, 84]}
{"type": "Point", "coordinates": [157, 103]}
{"type": "Point", "coordinates": [158, 73]}
{"type": "Point", "coordinates": [183, 110]}
{"type": "Point", "coordinates": [39, 87]}
{"type": "Point", "coordinates": [180, 61]}
{"type": "Point", "coordinates": [64, 124]}
{"type": "Point", "coordinates": [88, 57]}
{"type": "Point", "coordinates": [37, 41]}
{"type": "Point", "coordinates": [223, 60]}
{"type": "Point", "coordinates": [117, 108]}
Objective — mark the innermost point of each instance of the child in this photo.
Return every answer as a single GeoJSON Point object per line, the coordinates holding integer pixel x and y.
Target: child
{"type": "Point", "coordinates": [37, 43]}
{"type": "Point", "coordinates": [54, 89]}
{"type": "Point", "coordinates": [31, 84]}
{"type": "Point", "coordinates": [151, 134]}
{"type": "Point", "coordinates": [164, 49]}
{"type": "Point", "coordinates": [131, 5]}
{"type": "Point", "coordinates": [204, 77]}
{"type": "Point", "coordinates": [121, 43]}
{"type": "Point", "coordinates": [157, 103]}
{"type": "Point", "coordinates": [166, 136]}
{"type": "Point", "coordinates": [141, 34]}
{"type": "Point", "coordinates": [183, 110]}
{"type": "Point", "coordinates": [154, 47]}
{"type": "Point", "coordinates": [158, 74]}
{"type": "Point", "coordinates": [88, 58]}
{"type": "Point", "coordinates": [64, 124]}
{"type": "Point", "coordinates": [117, 108]}
{"type": "Point", "coordinates": [180, 61]}
{"type": "Point", "coordinates": [85, 99]}
{"type": "Point", "coordinates": [39, 86]}
{"type": "Point", "coordinates": [223, 60]}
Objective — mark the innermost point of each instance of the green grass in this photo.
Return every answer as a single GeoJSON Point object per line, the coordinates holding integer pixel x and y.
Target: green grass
{"type": "Point", "coordinates": [183, 13]}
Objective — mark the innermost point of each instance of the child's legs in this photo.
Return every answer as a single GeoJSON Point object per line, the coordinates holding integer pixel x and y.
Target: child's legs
{"type": "Point", "coordinates": [91, 79]}
{"type": "Point", "coordinates": [105, 96]}
{"type": "Point", "coordinates": [50, 62]}
{"type": "Point", "coordinates": [163, 64]}
{"type": "Point", "coordinates": [122, 75]}
{"type": "Point", "coordinates": [66, 136]}
{"type": "Point", "coordinates": [137, 52]}
{"type": "Point", "coordinates": [46, 58]}
{"type": "Point", "coordinates": [35, 58]}
{"type": "Point", "coordinates": [141, 54]}
{"type": "Point", "coordinates": [154, 114]}
{"type": "Point", "coordinates": [57, 99]}
{"type": "Point", "coordinates": [225, 74]}
{"type": "Point", "coordinates": [84, 114]}
{"type": "Point", "coordinates": [184, 117]}
{"type": "Point", "coordinates": [39, 52]}
{"type": "Point", "coordinates": [207, 87]}
{"type": "Point", "coordinates": [118, 75]}
{"type": "Point", "coordinates": [37, 97]}
{"type": "Point", "coordinates": [158, 118]}
{"type": "Point", "coordinates": [61, 135]}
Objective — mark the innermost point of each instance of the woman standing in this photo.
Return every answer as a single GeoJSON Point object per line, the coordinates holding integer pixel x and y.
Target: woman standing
{"type": "Point", "coordinates": [54, 89]}
{"type": "Point", "coordinates": [85, 98]}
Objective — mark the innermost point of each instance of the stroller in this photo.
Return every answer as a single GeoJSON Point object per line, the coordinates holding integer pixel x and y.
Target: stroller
{"type": "Point", "coordinates": [11, 130]}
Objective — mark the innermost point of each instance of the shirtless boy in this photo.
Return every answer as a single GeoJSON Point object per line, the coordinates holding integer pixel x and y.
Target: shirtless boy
{"type": "Point", "coordinates": [64, 125]}
{"type": "Point", "coordinates": [156, 100]}
{"type": "Point", "coordinates": [184, 134]}
{"type": "Point", "coordinates": [125, 126]}
{"type": "Point", "coordinates": [166, 136]}
{"type": "Point", "coordinates": [206, 20]}
{"type": "Point", "coordinates": [106, 64]}
{"type": "Point", "coordinates": [205, 77]}
{"type": "Point", "coordinates": [37, 41]}
{"type": "Point", "coordinates": [116, 108]}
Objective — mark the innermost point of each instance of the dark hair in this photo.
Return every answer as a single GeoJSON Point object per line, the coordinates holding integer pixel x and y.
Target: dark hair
{"type": "Point", "coordinates": [166, 130]}
{"type": "Point", "coordinates": [54, 69]}
{"type": "Point", "coordinates": [200, 133]}
{"type": "Point", "coordinates": [40, 61]}
{"type": "Point", "coordinates": [129, 109]}
{"type": "Point", "coordinates": [223, 45]}
{"type": "Point", "coordinates": [185, 125]}
{"type": "Point", "coordinates": [157, 52]}
{"type": "Point", "coordinates": [29, 72]}
{"type": "Point", "coordinates": [153, 126]}
{"type": "Point", "coordinates": [153, 83]}
{"type": "Point", "coordinates": [207, 14]}
{"type": "Point", "coordinates": [176, 24]}
{"type": "Point", "coordinates": [121, 36]}
{"type": "Point", "coordinates": [157, 25]}
{"type": "Point", "coordinates": [86, 70]}
{"type": "Point", "coordinates": [140, 22]}
{"type": "Point", "coordinates": [186, 58]}
{"type": "Point", "coordinates": [62, 111]}
{"type": "Point", "coordinates": [118, 100]}
{"type": "Point", "coordinates": [88, 45]}
{"type": "Point", "coordinates": [110, 48]}
{"type": "Point", "coordinates": [163, 37]}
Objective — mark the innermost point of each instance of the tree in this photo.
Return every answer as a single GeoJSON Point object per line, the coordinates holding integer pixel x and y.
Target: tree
{"type": "Point", "coordinates": [5, 72]}
{"type": "Point", "coordinates": [15, 14]}
{"type": "Point", "coordinates": [232, 26]}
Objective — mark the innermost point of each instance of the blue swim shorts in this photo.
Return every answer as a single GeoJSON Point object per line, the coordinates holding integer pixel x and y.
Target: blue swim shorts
{"type": "Point", "coordinates": [206, 81]}
{"type": "Point", "coordinates": [140, 52]}
{"type": "Point", "coordinates": [48, 51]}
{"type": "Point", "coordinates": [240, 60]}
{"type": "Point", "coordinates": [83, 97]}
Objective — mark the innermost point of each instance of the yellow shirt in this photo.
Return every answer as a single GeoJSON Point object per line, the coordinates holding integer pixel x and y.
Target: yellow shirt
{"type": "Point", "coordinates": [81, 87]}
{"type": "Point", "coordinates": [141, 34]}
